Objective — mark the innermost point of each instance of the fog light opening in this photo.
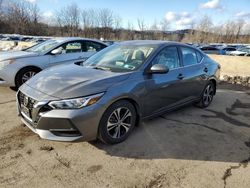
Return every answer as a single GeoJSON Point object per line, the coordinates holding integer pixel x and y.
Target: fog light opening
{"type": "Point", "coordinates": [66, 132]}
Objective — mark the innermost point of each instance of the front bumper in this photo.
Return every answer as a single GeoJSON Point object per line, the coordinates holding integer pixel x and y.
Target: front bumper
{"type": "Point", "coordinates": [7, 76]}
{"type": "Point", "coordinates": [61, 125]}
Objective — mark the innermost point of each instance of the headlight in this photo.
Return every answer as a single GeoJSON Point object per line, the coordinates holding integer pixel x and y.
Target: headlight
{"type": "Point", "coordinates": [75, 103]}
{"type": "Point", "coordinates": [5, 63]}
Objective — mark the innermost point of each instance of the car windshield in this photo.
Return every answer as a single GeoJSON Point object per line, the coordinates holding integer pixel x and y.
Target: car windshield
{"type": "Point", "coordinates": [120, 58]}
{"type": "Point", "coordinates": [44, 46]}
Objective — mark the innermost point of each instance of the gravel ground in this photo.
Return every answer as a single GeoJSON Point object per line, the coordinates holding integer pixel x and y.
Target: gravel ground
{"type": "Point", "coordinates": [190, 147]}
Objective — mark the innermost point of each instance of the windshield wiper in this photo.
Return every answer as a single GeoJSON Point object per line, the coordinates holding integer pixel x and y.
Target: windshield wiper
{"type": "Point", "coordinates": [101, 68]}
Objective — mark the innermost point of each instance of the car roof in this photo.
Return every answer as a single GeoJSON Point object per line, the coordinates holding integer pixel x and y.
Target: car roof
{"type": "Point", "coordinates": [208, 46]}
{"type": "Point", "coordinates": [68, 39]}
{"type": "Point", "coordinates": [151, 42]}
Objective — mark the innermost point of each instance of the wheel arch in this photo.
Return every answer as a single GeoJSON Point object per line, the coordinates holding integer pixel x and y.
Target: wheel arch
{"type": "Point", "coordinates": [213, 80]}
{"type": "Point", "coordinates": [26, 67]}
{"type": "Point", "coordinates": [135, 104]}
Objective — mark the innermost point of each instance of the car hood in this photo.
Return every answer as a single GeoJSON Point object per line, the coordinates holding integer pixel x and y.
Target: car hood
{"type": "Point", "coordinates": [16, 55]}
{"type": "Point", "coordinates": [69, 81]}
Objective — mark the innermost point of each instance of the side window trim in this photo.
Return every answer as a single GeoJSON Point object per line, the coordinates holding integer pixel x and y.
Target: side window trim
{"type": "Point", "coordinates": [202, 57]}
{"type": "Point", "coordinates": [180, 56]}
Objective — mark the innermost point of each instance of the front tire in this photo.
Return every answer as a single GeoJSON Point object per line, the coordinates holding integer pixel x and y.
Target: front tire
{"type": "Point", "coordinates": [207, 95]}
{"type": "Point", "coordinates": [117, 122]}
{"type": "Point", "coordinates": [25, 74]}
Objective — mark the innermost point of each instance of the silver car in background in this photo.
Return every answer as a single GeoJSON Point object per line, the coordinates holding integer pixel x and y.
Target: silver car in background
{"type": "Point", "coordinates": [16, 67]}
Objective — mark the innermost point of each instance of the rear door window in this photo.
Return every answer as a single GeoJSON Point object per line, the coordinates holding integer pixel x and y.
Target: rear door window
{"type": "Point", "coordinates": [90, 46]}
{"type": "Point", "coordinates": [189, 56]}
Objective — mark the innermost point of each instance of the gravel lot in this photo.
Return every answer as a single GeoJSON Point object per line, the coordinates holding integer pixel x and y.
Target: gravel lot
{"type": "Point", "coordinates": [190, 147]}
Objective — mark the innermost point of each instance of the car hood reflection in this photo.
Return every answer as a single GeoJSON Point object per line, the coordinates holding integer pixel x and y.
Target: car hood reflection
{"type": "Point", "coordinates": [70, 81]}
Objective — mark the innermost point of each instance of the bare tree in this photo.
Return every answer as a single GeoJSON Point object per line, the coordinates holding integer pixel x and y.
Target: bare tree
{"type": "Point", "coordinates": [141, 26]}
{"type": "Point", "coordinates": [130, 28]}
{"type": "Point", "coordinates": [239, 26]}
{"type": "Point", "coordinates": [204, 27]}
{"type": "Point", "coordinates": [229, 28]}
{"type": "Point", "coordinates": [154, 30]}
{"type": "Point", "coordinates": [90, 21]}
{"type": "Point", "coordinates": [86, 19]}
{"type": "Point", "coordinates": [117, 25]}
{"type": "Point", "coordinates": [68, 18]}
{"type": "Point", "coordinates": [164, 26]}
{"type": "Point", "coordinates": [17, 15]}
{"type": "Point", "coordinates": [34, 19]}
{"type": "Point", "coordinates": [74, 19]}
{"type": "Point", "coordinates": [106, 18]}
{"type": "Point", "coordinates": [106, 21]}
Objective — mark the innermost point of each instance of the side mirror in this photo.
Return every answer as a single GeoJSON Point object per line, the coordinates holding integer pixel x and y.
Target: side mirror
{"type": "Point", "coordinates": [158, 69]}
{"type": "Point", "coordinates": [56, 51]}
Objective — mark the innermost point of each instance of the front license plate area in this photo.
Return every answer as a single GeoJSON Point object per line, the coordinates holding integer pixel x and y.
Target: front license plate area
{"type": "Point", "coordinates": [25, 110]}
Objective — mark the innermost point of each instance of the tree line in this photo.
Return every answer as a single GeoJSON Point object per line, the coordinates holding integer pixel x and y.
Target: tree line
{"type": "Point", "coordinates": [23, 17]}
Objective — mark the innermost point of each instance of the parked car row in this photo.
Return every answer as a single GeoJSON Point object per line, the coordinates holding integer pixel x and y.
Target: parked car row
{"type": "Point", "coordinates": [236, 50]}
{"type": "Point", "coordinates": [19, 38]}
{"type": "Point", "coordinates": [105, 96]}
{"type": "Point", "coordinates": [244, 51]}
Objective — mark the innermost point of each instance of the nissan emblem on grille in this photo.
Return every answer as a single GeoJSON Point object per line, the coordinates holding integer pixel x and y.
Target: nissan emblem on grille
{"type": "Point", "coordinates": [26, 101]}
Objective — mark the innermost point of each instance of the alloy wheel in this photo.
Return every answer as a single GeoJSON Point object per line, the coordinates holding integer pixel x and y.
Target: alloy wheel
{"type": "Point", "coordinates": [208, 94]}
{"type": "Point", "coordinates": [119, 122]}
{"type": "Point", "coordinates": [27, 76]}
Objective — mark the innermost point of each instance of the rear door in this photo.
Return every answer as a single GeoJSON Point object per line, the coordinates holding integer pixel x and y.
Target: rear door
{"type": "Point", "coordinates": [194, 72]}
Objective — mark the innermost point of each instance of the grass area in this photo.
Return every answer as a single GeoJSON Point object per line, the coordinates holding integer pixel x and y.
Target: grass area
{"type": "Point", "coordinates": [233, 65]}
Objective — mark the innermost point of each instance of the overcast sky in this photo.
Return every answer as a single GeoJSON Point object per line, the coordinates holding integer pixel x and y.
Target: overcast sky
{"type": "Point", "coordinates": [180, 13]}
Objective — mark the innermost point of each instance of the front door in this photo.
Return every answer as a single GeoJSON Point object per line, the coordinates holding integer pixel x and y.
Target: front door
{"type": "Point", "coordinates": [165, 90]}
{"type": "Point", "coordinates": [71, 52]}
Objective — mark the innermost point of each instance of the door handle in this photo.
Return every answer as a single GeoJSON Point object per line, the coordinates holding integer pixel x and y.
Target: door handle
{"type": "Point", "coordinates": [180, 76]}
{"type": "Point", "coordinates": [205, 69]}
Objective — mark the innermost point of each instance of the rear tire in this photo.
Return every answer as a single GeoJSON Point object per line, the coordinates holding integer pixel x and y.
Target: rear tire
{"type": "Point", "coordinates": [207, 95]}
{"type": "Point", "coordinates": [25, 74]}
{"type": "Point", "coordinates": [117, 122]}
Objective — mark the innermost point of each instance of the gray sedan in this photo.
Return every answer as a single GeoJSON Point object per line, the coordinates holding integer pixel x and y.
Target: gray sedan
{"type": "Point", "coordinates": [107, 95]}
{"type": "Point", "coordinates": [16, 67]}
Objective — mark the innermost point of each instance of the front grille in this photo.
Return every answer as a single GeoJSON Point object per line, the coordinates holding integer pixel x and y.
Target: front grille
{"type": "Point", "coordinates": [26, 102]}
